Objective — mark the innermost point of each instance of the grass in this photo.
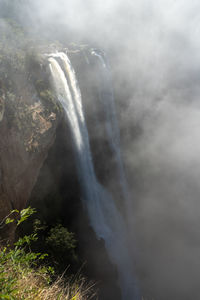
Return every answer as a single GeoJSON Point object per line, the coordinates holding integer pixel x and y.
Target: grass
{"type": "Point", "coordinates": [23, 278]}
{"type": "Point", "coordinates": [27, 283]}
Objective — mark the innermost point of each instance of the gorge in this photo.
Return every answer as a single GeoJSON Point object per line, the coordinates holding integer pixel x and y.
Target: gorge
{"type": "Point", "coordinates": [99, 131]}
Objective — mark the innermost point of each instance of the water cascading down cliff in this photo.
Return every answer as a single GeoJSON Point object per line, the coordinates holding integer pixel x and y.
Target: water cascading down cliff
{"type": "Point", "coordinates": [104, 217]}
{"type": "Point", "coordinates": [107, 100]}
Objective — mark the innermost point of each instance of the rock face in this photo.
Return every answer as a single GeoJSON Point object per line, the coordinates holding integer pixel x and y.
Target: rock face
{"type": "Point", "coordinates": [29, 117]}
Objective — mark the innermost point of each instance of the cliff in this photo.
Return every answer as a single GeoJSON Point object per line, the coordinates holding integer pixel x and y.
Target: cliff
{"type": "Point", "coordinates": [37, 164]}
{"type": "Point", "coordinates": [29, 117]}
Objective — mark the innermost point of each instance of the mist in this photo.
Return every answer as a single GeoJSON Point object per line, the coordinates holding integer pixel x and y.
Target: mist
{"type": "Point", "coordinates": [153, 49]}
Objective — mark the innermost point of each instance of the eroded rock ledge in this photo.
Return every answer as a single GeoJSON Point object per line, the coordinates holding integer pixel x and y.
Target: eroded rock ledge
{"type": "Point", "coordinates": [29, 115]}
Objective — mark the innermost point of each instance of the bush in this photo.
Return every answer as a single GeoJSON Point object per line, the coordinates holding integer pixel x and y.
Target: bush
{"type": "Point", "coordinates": [20, 274]}
{"type": "Point", "coordinates": [62, 244]}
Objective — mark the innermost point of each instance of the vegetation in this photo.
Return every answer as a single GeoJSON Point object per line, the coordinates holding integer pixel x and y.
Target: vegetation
{"type": "Point", "coordinates": [61, 244]}
{"type": "Point", "coordinates": [24, 276]}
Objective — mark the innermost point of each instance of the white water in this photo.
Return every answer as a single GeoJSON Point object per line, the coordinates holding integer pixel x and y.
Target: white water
{"type": "Point", "coordinates": [108, 102]}
{"type": "Point", "coordinates": [103, 215]}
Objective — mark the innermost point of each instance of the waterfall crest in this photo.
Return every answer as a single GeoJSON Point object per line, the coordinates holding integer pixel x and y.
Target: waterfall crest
{"type": "Point", "coordinates": [103, 215]}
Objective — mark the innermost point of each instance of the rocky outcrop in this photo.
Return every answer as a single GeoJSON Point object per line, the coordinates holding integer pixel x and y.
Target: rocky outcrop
{"type": "Point", "coordinates": [29, 117]}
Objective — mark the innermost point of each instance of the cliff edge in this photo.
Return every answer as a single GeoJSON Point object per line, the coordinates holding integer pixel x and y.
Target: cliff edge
{"type": "Point", "coordinates": [29, 115]}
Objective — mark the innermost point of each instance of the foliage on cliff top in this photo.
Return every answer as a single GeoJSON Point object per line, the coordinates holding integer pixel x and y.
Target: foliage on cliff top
{"type": "Point", "coordinates": [12, 45]}
{"type": "Point", "coordinates": [21, 277]}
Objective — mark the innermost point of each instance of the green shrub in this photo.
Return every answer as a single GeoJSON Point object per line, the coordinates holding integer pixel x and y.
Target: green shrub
{"type": "Point", "coordinates": [18, 260]}
{"type": "Point", "coordinates": [62, 244]}
{"type": "Point", "coordinates": [21, 278]}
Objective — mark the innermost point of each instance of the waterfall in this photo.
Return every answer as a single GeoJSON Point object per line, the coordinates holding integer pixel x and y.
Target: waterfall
{"type": "Point", "coordinates": [103, 215]}
{"type": "Point", "coordinates": [107, 99]}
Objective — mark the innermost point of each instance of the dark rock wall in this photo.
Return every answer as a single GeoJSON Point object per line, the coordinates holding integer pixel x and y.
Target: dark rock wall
{"type": "Point", "coordinates": [28, 120]}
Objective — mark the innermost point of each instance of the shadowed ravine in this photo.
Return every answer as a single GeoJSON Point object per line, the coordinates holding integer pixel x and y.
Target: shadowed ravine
{"type": "Point", "coordinates": [103, 214]}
